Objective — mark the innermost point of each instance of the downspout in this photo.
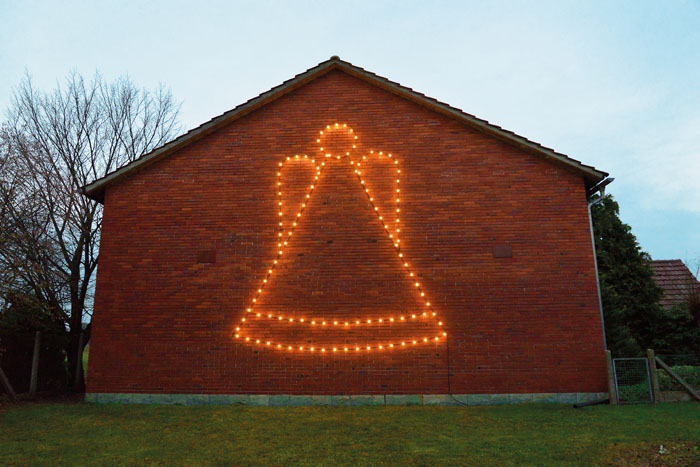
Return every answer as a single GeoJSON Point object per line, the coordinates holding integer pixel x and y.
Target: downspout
{"type": "Point", "coordinates": [600, 187]}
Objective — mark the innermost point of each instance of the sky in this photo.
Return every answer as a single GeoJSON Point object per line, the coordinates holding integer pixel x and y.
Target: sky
{"type": "Point", "coordinates": [612, 84]}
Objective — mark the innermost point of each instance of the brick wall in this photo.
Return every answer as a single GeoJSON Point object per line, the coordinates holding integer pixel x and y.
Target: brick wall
{"type": "Point", "coordinates": [187, 242]}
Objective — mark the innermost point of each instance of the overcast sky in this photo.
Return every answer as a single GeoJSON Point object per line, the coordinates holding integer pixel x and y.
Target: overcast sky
{"type": "Point", "coordinates": [613, 84]}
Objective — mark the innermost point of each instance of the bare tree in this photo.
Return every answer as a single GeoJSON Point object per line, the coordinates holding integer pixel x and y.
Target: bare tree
{"type": "Point", "coordinates": [53, 144]}
{"type": "Point", "coordinates": [25, 246]}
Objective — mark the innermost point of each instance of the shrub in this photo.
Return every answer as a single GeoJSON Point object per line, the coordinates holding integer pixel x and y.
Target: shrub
{"type": "Point", "coordinates": [18, 325]}
{"type": "Point", "coordinates": [691, 374]}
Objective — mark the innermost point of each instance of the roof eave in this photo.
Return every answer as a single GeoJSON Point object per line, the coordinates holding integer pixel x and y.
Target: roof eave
{"type": "Point", "coordinates": [591, 174]}
{"type": "Point", "coordinates": [96, 189]}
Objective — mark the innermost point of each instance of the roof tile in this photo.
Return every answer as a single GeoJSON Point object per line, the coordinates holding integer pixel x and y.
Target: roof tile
{"type": "Point", "coordinates": [676, 280]}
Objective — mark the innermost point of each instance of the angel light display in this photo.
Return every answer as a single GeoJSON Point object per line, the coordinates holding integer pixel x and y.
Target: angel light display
{"type": "Point", "coordinates": [338, 282]}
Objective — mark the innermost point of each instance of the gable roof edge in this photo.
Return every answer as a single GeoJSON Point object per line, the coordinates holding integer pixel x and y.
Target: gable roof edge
{"type": "Point", "coordinates": [95, 190]}
{"type": "Point", "coordinates": [594, 174]}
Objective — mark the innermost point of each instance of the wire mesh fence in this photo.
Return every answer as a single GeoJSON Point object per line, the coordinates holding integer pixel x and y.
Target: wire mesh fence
{"type": "Point", "coordinates": [632, 380]}
{"type": "Point", "coordinates": [687, 366]}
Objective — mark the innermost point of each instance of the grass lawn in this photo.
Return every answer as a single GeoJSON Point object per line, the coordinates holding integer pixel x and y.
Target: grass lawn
{"type": "Point", "coordinates": [82, 433]}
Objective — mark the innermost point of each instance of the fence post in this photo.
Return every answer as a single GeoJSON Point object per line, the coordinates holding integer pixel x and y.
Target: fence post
{"type": "Point", "coordinates": [35, 364]}
{"type": "Point", "coordinates": [8, 387]}
{"type": "Point", "coordinates": [78, 362]}
{"type": "Point", "coordinates": [611, 378]}
{"type": "Point", "coordinates": [654, 375]}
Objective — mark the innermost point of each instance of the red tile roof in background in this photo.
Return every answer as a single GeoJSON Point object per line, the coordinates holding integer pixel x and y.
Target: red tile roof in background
{"type": "Point", "coordinates": [674, 277]}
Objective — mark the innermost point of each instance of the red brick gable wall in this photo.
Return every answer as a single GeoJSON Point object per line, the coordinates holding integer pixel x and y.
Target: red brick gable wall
{"type": "Point", "coordinates": [187, 242]}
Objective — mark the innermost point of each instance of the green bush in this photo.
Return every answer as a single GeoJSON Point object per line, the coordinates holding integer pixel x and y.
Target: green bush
{"type": "Point", "coordinates": [691, 374]}
{"type": "Point", "coordinates": [634, 393]}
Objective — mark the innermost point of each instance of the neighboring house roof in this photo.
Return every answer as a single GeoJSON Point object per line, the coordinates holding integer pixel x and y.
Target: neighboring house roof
{"type": "Point", "coordinates": [676, 280]}
{"type": "Point", "coordinates": [95, 190]}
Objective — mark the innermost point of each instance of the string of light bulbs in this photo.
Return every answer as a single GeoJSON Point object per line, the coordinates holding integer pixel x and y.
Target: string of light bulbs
{"type": "Point", "coordinates": [285, 235]}
{"type": "Point", "coordinates": [343, 323]}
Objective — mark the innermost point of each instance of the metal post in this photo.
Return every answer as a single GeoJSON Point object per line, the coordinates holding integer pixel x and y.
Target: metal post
{"type": "Point", "coordinates": [612, 385]}
{"type": "Point", "coordinates": [35, 364]}
{"type": "Point", "coordinates": [654, 375]}
{"type": "Point", "coordinates": [78, 362]}
{"type": "Point", "coordinates": [597, 276]}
